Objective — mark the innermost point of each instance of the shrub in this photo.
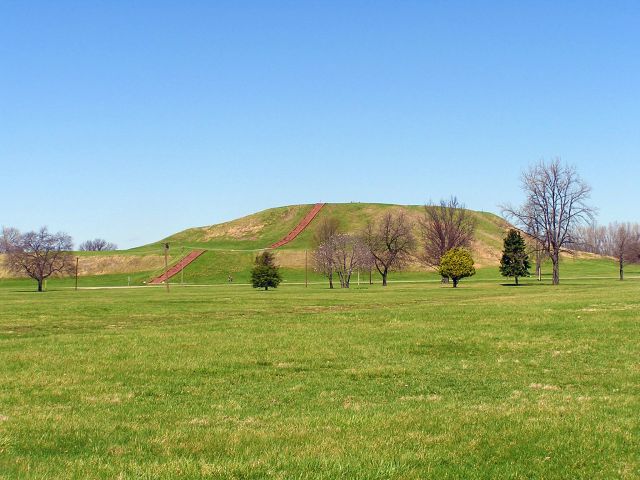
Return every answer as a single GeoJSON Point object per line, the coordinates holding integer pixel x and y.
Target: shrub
{"type": "Point", "coordinates": [457, 264]}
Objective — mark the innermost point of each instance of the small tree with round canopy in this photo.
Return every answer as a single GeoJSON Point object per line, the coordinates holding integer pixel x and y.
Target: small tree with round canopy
{"type": "Point", "coordinates": [457, 264]}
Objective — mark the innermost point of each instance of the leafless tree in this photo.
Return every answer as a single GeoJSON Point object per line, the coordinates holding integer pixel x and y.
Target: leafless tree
{"type": "Point", "coordinates": [591, 238]}
{"type": "Point", "coordinates": [445, 226]}
{"type": "Point", "coordinates": [350, 254]}
{"type": "Point", "coordinates": [324, 258]}
{"type": "Point", "coordinates": [97, 245]}
{"type": "Point", "coordinates": [390, 242]}
{"type": "Point", "coordinates": [40, 255]}
{"type": "Point", "coordinates": [8, 238]}
{"type": "Point", "coordinates": [533, 234]}
{"type": "Point", "coordinates": [623, 243]}
{"type": "Point", "coordinates": [367, 262]}
{"type": "Point", "coordinates": [328, 227]}
{"type": "Point", "coordinates": [556, 204]}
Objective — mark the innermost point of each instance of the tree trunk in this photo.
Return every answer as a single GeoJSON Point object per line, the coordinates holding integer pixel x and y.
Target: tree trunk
{"type": "Point", "coordinates": [621, 269]}
{"type": "Point", "coordinates": [516, 280]}
{"type": "Point", "coordinates": [555, 259]}
{"type": "Point", "coordinates": [266, 288]}
{"type": "Point", "coordinates": [331, 280]}
{"type": "Point", "coordinates": [384, 278]}
{"type": "Point", "coordinates": [39, 284]}
{"type": "Point", "coordinates": [455, 283]}
{"type": "Point", "coordinates": [370, 277]}
{"type": "Point", "coordinates": [444, 279]}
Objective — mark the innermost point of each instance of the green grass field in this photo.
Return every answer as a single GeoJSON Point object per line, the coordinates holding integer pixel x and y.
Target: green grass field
{"type": "Point", "coordinates": [412, 381]}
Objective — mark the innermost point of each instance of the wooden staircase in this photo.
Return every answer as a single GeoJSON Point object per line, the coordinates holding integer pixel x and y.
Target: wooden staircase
{"type": "Point", "coordinates": [304, 223]}
{"type": "Point", "coordinates": [184, 261]}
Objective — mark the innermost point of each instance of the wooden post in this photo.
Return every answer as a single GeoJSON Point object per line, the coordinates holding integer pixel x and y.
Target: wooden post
{"type": "Point", "coordinates": [166, 265]}
{"type": "Point", "coordinates": [77, 259]}
{"type": "Point", "coordinates": [182, 268]}
{"type": "Point", "coordinates": [306, 266]}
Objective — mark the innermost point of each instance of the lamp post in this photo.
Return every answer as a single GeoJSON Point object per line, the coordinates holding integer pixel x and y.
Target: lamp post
{"type": "Point", "coordinates": [166, 265]}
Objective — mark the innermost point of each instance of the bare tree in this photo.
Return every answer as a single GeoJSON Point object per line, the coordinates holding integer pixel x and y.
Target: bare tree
{"type": "Point", "coordinates": [40, 255]}
{"type": "Point", "coordinates": [324, 258]}
{"type": "Point", "coordinates": [591, 238]}
{"type": "Point", "coordinates": [328, 227]}
{"type": "Point", "coordinates": [350, 254]}
{"type": "Point", "coordinates": [390, 242]}
{"type": "Point", "coordinates": [539, 254]}
{"type": "Point", "coordinates": [8, 238]}
{"type": "Point", "coordinates": [533, 234]}
{"type": "Point", "coordinates": [97, 245]}
{"type": "Point", "coordinates": [443, 227]}
{"type": "Point", "coordinates": [623, 243]}
{"type": "Point", "coordinates": [556, 204]}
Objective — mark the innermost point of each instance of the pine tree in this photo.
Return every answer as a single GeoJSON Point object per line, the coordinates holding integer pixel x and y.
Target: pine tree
{"type": "Point", "coordinates": [514, 261]}
{"type": "Point", "coordinates": [265, 273]}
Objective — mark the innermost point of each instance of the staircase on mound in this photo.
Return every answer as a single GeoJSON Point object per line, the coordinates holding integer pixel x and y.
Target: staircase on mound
{"type": "Point", "coordinates": [186, 260]}
{"type": "Point", "coordinates": [300, 227]}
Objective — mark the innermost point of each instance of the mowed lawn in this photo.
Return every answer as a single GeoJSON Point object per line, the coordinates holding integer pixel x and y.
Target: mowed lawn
{"type": "Point", "coordinates": [411, 381]}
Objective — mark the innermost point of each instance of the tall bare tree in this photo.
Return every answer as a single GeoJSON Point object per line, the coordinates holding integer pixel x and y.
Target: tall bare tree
{"type": "Point", "coordinates": [97, 245]}
{"type": "Point", "coordinates": [445, 226]}
{"type": "Point", "coordinates": [623, 243]}
{"type": "Point", "coordinates": [40, 255]}
{"type": "Point", "coordinates": [390, 242]}
{"type": "Point", "coordinates": [555, 205]}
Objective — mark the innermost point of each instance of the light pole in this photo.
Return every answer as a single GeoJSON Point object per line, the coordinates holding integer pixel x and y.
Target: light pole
{"type": "Point", "coordinates": [166, 265]}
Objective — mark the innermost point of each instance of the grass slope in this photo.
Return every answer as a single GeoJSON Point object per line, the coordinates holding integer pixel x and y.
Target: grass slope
{"type": "Point", "coordinates": [264, 228]}
{"type": "Point", "coordinates": [233, 244]}
{"type": "Point", "coordinates": [411, 381]}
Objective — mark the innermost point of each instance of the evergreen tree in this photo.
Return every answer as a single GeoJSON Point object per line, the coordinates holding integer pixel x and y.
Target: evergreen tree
{"type": "Point", "coordinates": [457, 264]}
{"type": "Point", "coordinates": [514, 261]}
{"type": "Point", "coordinates": [265, 273]}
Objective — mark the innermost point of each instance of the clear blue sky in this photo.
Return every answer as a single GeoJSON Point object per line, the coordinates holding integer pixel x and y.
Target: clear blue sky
{"type": "Point", "coordinates": [133, 120]}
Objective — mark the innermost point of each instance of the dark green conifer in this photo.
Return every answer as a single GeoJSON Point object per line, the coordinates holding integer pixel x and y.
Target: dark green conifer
{"type": "Point", "coordinates": [514, 261]}
{"type": "Point", "coordinates": [265, 273]}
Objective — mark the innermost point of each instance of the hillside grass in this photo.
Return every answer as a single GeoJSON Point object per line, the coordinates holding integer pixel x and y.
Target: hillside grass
{"type": "Point", "coordinates": [261, 229]}
{"type": "Point", "coordinates": [408, 381]}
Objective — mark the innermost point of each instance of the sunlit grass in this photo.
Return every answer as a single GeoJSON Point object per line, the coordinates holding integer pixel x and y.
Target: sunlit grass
{"type": "Point", "coordinates": [411, 381]}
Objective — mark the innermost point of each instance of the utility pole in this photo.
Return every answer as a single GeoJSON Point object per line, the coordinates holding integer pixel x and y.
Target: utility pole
{"type": "Point", "coordinates": [166, 265]}
{"type": "Point", "coordinates": [306, 267]}
{"type": "Point", "coordinates": [77, 259]}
